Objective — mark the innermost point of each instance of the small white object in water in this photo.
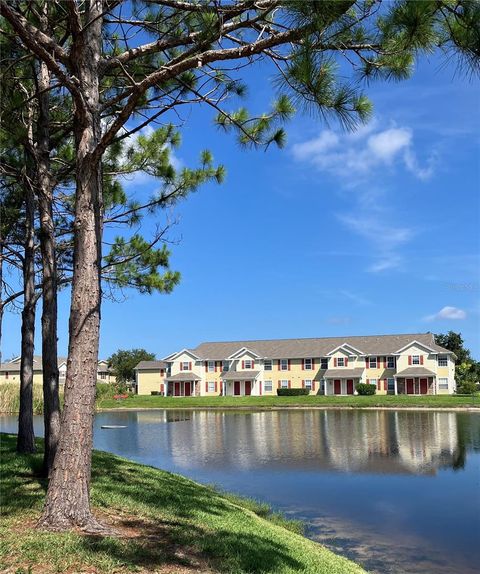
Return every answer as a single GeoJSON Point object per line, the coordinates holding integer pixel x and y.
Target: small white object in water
{"type": "Point", "coordinates": [114, 427]}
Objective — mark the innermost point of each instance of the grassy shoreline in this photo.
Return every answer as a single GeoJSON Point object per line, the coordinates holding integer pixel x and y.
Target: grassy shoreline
{"type": "Point", "coordinates": [166, 523]}
{"type": "Point", "coordinates": [274, 402]}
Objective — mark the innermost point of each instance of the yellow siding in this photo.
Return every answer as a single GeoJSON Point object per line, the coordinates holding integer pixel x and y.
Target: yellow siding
{"type": "Point", "coordinates": [148, 381]}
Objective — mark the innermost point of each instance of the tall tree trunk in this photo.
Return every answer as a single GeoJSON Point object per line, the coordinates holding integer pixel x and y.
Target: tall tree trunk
{"type": "Point", "coordinates": [68, 497]}
{"type": "Point", "coordinates": [26, 437]}
{"type": "Point", "coordinates": [44, 188]}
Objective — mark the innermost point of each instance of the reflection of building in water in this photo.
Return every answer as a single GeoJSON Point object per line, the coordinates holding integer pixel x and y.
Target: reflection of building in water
{"type": "Point", "coordinates": [339, 440]}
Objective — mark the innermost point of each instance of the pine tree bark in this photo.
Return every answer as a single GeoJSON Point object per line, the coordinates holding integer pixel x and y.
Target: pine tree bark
{"type": "Point", "coordinates": [44, 188]}
{"type": "Point", "coordinates": [26, 437]}
{"type": "Point", "coordinates": [68, 497]}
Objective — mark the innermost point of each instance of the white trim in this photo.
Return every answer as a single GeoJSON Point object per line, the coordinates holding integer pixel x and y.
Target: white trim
{"type": "Point", "coordinates": [344, 347]}
{"type": "Point", "coordinates": [175, 355]}
{"type": "Point", "coordinates": [243, 350]}
{"type": "Point", "coordinates": [415, 342]}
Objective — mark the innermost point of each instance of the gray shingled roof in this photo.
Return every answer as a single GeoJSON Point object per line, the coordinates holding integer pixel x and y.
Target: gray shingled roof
{"type": "Point", "coordinates": [150, 365]}
{"type": "Point", "coordinates": [415, 372]}
{"type": "Point", "coordinates": [239, 375]}
{"type": "Point", "coordinates": [343, 373]}
{"type": "Point", "coordinates": [319, 347]}
{"type": "Point", "coordinates": [37, 364]}
{"type": "Point", "coordinates": [184, 376]}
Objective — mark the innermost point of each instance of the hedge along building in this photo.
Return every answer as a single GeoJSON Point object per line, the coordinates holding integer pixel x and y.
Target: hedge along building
{"type": "Point", "coordinates": [395, 364]}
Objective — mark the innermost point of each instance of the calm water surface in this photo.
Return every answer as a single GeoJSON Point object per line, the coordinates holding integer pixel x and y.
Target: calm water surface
{"type": "Point", "coordinates": [397, 491]}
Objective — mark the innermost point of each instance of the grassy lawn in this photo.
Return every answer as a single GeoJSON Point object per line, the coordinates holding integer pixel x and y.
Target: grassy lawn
{"type": "Point", "coordinates": [166, 524]}
{"type": "Point", "coordinates": [433, 401]}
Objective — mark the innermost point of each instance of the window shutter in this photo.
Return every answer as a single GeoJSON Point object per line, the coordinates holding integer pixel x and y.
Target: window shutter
{"type": "Point", "coordinates": [206, 386]}
{"type": "Point", "coordinates": [409, 359]}
{"type": "Point", "coordinates": [181, 366]}
{"type": "Point", "coordinates": [279, 364]}
{"type": "Point", "coordinates": [313, 385]}
{"type": "Point", "coordinates": [253, 364]}
{"type": "Point", "coordinates": [313, 363]}
{"type": "Point", "coordinates": [289, 365]}
{"type": "Point", "coordinates": [385, 385]}
{"type": "Point", "coordinates": [216, 386]}
{"type": "Point", "coordinates": [215, 366]}
{"type": "Point", "coordinates": [368, 381]}
{"type": "Point", "coordinates": [335, 361]}
{"type": "Point", "coordinates": [303, 364]}
{"type": "Point", "coordinates": [221, 387]}
{"type": "Point", "coordinates": [243, 364]}
{"type": "Point", "coordinates": [206, 366]}
{"type": "Point", "coordinates": [260, 387]}
{"type": "Point", "coordinates": [346, 361]}
{"type": "Point", "coordinates": [303, 384]}
{"type": "Point", "coordinates": [379, 362]}
{"type": "Point", "coordinates": [190, 366]}
{"type": "Point", "coordinates": [421, 359]}
{"type": "Point", "coordinates": [289, 384]}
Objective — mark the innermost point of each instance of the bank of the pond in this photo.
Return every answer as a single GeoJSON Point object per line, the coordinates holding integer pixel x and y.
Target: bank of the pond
{"type": "Point", "coordinates": [316, 401]}
{"type": "Point", "coordinates": [166, 523]}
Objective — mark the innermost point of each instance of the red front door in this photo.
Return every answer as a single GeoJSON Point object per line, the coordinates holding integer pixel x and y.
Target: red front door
{"type": "Point", "coordinates": [236, 388]}
{"type": "Point", "coordinates": [409, 386]}
{"type": "Point", "coordinates": [248, 387]}
{"type": "Point", "coordinates": [188, 389]}
{"type": "Point", "coordinates": [177, 390]}
{"type": "Point", "coordinates": [423, 386]}
{"type": "Point", "coordinates": [337, 387]}
{"type": "Point", "coordinates": [350, 387]}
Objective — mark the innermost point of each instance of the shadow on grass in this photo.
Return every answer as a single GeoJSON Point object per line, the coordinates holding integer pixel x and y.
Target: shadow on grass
{"type": "Point", "coordinates": [163, 520]}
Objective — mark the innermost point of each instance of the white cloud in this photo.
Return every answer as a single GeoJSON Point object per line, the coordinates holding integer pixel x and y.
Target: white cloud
{"type": "Point", "coordinates": [356, 157]}
{"type": "Point", "coordinates": [449, 313]}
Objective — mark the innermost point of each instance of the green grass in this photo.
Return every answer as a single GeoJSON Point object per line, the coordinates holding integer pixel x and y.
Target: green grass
{"type": "Point", "coordinates": [385, 401]}
{"type": "Point", "coordinates": [167, 524]}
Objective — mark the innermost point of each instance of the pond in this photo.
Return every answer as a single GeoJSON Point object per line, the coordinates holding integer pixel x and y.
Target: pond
{"type": "Point", "coordinates": [397, 491]}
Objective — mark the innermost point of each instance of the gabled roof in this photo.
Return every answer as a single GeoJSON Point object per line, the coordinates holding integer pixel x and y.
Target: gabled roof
{"type": "Point", "coordinates": [243, 350]}
{"type": "Point", "coordinates": [415, 342]}
{"type": "Point", "coordinates": [314, 347]}
{"type": "Point", "coordinates": [14, 364]}
{"type": "Point", "coordinates": [151, 365]}
{"type": "Point", "coordinates": [175, 355]}
{"type": "Point", "coordinates": [348, 349]}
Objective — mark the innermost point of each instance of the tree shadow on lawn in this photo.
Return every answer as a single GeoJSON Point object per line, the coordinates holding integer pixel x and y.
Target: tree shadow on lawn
{"type": "Point", "coordinates": [156, 545]}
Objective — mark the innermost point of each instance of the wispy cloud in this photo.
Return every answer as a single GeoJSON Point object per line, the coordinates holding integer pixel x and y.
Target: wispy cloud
{"type": "Point", "coordinates": [358, 161]}
{"type": "Point", "coordinates": [356, 157]}
{"type": "Point", "coordinates": [449, 313]}
{"type": "Point", "coordinates": [355, 297]}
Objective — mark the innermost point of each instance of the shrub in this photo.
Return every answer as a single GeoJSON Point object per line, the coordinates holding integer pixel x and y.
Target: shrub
{"type": "Point", "coordinates": [467, 388]}
{"type": "Point", "coordinates": [292, 392]}
{"type": "Point", "coordinates": [154, 392]}
{"type": "Point", "coordinates": [365, 389]}
{"type": "Point", "coordinates": [105, 391]}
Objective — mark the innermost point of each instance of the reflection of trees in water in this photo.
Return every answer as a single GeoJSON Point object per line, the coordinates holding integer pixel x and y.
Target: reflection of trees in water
{"type": "Point", "coordinates": [468, 430]}
{"type": "Point", "coordinates": [395, 442]}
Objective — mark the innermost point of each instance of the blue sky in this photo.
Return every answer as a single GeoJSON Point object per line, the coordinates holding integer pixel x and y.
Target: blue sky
{"type": "Point", "coordinates": [339, 233]}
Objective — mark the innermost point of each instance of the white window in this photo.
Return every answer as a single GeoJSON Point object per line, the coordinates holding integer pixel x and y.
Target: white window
{"type": "Point", "coordinates": [372, 363]}
{"type": "Point", "coordinates": [442, 361]}
{"type": "Point", "coordinates": [211, 366]}
{"type": "Point", "coordinates": [415, 359]}
{"type": "Point", "coordinates": [308, 364]}
{"type": "Point", "coordinates": [373, 382]}
{"type": "Point", "coordinates": [308, 385]}
{"type": "Point", "coordinates": [284, 364]}
{"type": "Point", "coordinates": [324, 364]}
{"type": "Point", "coordinates": [284, 384]}
{"type": "Point", "coordinates": [185, 366]}
{"type": "Point", "coordinates": [390, 363]}
{"type": "Point", "coordinates": [103, 376]}
{"type": "Point", "coordinates": [267, 365]}
{"type": "Point", "coordinates": [443, 384]}
{"type": "Point", "coordinates": [340, 362]}
{"type": "Point", "coordinates": [391, 384]}
{"type": "Point", "coordinates": [267, 386]}
{"type": "Point", "coordinates": [211, 386]}
{"type": "Point", "coordinates": [226, 365]}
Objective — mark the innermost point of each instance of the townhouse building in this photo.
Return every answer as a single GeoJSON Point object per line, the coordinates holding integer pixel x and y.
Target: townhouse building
{"type": "Point", "coordinates": [10, 371]}
{"type": "Point", "coordinates": [410, 364]}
